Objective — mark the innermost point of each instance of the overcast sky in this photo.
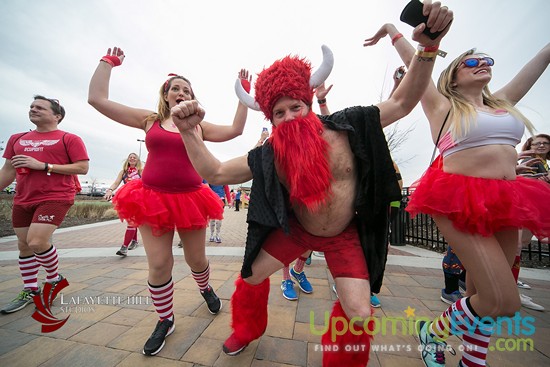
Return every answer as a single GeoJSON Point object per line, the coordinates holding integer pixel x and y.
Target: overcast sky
{"type": "Point", "coordinates": [53, 47]}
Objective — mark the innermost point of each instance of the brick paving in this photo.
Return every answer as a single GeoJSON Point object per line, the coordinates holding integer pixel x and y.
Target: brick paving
{"type": "Point", "coordinates": [113, 334]}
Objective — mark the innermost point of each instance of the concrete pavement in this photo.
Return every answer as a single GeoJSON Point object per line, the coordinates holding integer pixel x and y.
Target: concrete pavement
{"type": "Point", "coordinates": [110, 315]}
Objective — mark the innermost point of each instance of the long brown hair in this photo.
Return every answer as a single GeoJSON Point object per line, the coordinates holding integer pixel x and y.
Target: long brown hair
{"type": "Point", "coordinates": [126, 164]}
{"type": "Point", "coordinates": [163, 110]}
{"type": "Point", "coordinates": [527, 144]}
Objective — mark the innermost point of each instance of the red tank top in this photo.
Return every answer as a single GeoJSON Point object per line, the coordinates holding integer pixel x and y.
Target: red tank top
{"type": "Point", "coordinates": [168, 168]}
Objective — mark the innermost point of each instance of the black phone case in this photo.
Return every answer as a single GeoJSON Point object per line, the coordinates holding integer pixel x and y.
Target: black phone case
{"type": "Point", "coordinates": [412, 15]}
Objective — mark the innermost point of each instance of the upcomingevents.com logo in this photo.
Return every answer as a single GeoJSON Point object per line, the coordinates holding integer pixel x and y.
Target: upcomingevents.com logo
{"type": "Point", "coordinates": [43, 303]}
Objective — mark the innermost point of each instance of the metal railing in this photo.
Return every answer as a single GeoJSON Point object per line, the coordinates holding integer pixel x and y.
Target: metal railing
{"type": "Point", "coordinates": [422, 231]}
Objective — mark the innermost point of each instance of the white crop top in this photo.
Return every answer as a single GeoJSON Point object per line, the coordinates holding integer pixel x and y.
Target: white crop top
{"type": "Point", "coordinates": [488, 129]}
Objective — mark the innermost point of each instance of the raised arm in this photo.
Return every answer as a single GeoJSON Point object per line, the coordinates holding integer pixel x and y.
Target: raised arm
{"type": "Point", "coordinates": [98, 93]}
{"type": "Point", "coordinates": [526, 78]}
{"type": "Point", "coordinates": [186, 116]}
{"type": "Point", "coordinates": [321, 95]}
{"type": "Point", "coordinates": [218, 133]}
{"type": "Point", "coordinates": [418, 77]}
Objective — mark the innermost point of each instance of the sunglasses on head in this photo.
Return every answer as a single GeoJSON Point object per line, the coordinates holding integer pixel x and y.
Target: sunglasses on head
{"type": "Point", "coordinates": [474, 61]}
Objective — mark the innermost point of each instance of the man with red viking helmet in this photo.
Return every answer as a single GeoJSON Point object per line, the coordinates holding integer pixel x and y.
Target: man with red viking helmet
{"type": "Point", "coordinates": [319, 182]}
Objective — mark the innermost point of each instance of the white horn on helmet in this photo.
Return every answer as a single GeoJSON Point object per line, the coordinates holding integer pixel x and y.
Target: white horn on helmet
{"type": "Point", "coordinates": [324, 70]}
{"type": "Point", "coordinates": [245, 98]}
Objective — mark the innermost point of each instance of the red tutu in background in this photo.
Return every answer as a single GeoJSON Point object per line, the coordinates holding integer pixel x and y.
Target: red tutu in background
{"type": "Point", "coordinates": [483, 206]}
{"type": "Point", "coordinates": [165, 212]}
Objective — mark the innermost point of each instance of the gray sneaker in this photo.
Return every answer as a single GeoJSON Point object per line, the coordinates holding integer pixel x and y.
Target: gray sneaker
{"type": "Point", "coordinates": [123, 251]}
{"type": "Point", "coordinates": [134, 244]}
{"type": "Point", "coordinates": [21, 301]}
{"type": "Point", "coordinates": [450, 298]}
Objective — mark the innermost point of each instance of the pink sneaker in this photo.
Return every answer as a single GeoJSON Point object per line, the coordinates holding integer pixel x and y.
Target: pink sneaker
{"type": "Point", "coordinates": [233, 346]}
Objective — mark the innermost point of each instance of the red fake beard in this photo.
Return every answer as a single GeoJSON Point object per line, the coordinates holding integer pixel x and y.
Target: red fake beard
{"type": "Point", "coordinates": [301, 154]}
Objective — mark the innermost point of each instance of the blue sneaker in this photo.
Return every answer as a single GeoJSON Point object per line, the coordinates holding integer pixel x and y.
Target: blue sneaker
{"type": "Point", "coordinates": [301, 278]}
{"type": "Point", "coordinates": [374, 301]}
{"type": "Point", "coordinates": [450, 298]}
{"type": "Point", "coordinates": [432, 352]}
{"type": "Point", "coordinates": [308, 260]}
{"type": "Point", "coordinates": [287, 286]}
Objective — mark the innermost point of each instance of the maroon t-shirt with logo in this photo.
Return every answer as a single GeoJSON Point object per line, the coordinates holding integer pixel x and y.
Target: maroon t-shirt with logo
{"type": "Point", "coordinates": [54, 147]}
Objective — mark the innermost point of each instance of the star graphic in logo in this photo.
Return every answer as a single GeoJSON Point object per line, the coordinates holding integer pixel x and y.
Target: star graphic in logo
{"type": "Point", "coordinates": [410, 311]}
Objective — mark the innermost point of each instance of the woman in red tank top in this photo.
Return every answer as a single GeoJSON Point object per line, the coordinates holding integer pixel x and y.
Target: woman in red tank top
{"type": "Point", "coordinates": [131, 170]}
{"type": "Point", "coordinates": [170, 196]}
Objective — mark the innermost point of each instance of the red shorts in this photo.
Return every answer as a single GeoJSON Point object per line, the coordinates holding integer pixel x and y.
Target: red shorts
{"type": "Point", "coordinates": [343, 253]}
{"type": "Point", "coordinates": [46, 212]}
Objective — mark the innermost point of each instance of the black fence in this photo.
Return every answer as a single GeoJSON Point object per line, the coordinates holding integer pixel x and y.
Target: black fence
{"type": "Point", "coordinates": [422, 231]}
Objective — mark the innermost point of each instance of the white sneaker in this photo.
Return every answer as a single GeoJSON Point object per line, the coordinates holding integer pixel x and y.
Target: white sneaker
{"type": "Point", "coordinates": [528, 303]}
{"type": "Point", "coordinates": [523, 285]}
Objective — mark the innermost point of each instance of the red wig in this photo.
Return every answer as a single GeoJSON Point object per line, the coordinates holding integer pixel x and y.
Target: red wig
{"type": "Point", "coordinates": [288, 77]}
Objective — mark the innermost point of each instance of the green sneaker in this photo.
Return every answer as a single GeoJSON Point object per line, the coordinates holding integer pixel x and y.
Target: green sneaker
{"type": "Point", "coordinates": [21, 301]}
{"type": "Point", "coordinates": [433, 352]}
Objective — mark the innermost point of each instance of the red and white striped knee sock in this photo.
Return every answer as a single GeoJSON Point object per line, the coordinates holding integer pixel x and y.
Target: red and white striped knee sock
{"type": "Point", "coordinates": [50, 262]}
{"type": "Point", "coordinates": [28, 266]}
{"type": "Point", "coordinates": [202, 278]}
{"type": "Point", "coordinates": [299, 266]}
{"type": "Point", "coordinates": [475, 346]}
{"type": "Point", "coordinates": [163, 297]}
{"type": "Point", "coordinates": [460, 318]}
{"type": "Point", "coordinates": [131, 233]}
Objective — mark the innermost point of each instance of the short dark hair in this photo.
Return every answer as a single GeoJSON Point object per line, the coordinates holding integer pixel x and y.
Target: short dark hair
{"type": "Point", "coordinates": [55, 106]}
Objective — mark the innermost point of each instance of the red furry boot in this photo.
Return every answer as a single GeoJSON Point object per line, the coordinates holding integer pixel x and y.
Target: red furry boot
{"type": "Point", "coordinates": [348, 349]}
{"type": "Point", "coordinates": [249, 314]}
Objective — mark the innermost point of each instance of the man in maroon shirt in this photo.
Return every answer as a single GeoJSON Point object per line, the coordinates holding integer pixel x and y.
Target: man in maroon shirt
{"type": "Point", "coordinates": [45, 162]}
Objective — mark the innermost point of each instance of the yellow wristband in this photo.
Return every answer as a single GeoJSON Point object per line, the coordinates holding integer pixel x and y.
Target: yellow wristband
{"type": "Point", "coordinates": [429, 55]}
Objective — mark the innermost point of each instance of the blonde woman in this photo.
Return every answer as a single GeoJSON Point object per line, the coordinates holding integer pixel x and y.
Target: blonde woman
{"type": "Point", "coordinates": [131, 170]}
{"type": "Point", "coordinates": [170, 197]}
{"type": "Point", "coordinates": [472, 191]}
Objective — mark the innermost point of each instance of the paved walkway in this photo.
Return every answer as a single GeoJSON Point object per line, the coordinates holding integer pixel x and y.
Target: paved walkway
{"type": "Point", "coordinates": [111, 315]}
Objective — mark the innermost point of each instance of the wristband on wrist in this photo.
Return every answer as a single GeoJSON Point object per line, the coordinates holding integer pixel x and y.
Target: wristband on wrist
{"type": "Point", "coordinates": [427, 48]}
{"type": "Point", "coordinates": [111, 60]}
{"type": "Point", "coordinates": [426, 55]}
{"type": "Point", "coordinates": [46, 166]}
{"type": "Point", "coordinates": [395, 38]}
{"type": "Point", "coordinates": [322, 101]}
{"type": "Point", "coordinates": [435, 49]}
{"type": "Point", "coordinates": [50, 169]}
{"type": "Point", "coordinates": [246, 85]}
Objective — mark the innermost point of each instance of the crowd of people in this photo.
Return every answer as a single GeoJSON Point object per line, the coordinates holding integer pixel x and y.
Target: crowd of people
{"type": "Point", "coordinates": [320, 182]}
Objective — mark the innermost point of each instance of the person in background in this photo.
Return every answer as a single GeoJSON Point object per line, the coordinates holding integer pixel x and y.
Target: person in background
{"type": "Point", "coordinates": [170, 197]}
{"type": "Point", "coordinates": [455, 277]}
{"type": "Point", "coordinates": [216, 224]}
{"type": "Point", "coordinates": [472, 190]}
{"type": "Point", "coordinates": [45, 162]}
{"type": "Point", "coordinates": [131, 170]}
{"type": "Point", "coordinates": [320, 182]}
{"type": "Point", "coordinates": [533, 163]}
{"type": "Point", "coordinates": [238, 195]}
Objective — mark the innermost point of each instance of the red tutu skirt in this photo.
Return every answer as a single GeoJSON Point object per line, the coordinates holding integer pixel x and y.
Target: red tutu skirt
{"type": "Point", "coordinates": [165, 212]}
{"type": "Point", "coordinates": [483, 206]}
